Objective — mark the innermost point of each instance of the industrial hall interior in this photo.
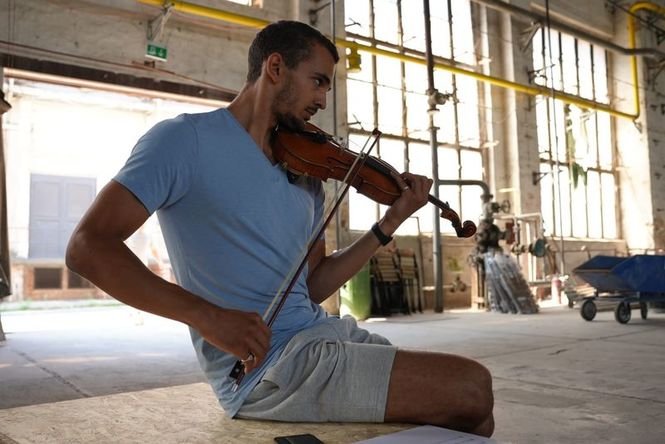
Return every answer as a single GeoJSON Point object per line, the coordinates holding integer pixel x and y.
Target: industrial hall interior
{"type": "Point", "coordinates": [338, 221]}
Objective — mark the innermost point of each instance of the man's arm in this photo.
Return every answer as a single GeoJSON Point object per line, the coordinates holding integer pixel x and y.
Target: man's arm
{"type": "Point", "coordinates": [97, 251]}
{"type": "Point", "coordinates": [328, 273]}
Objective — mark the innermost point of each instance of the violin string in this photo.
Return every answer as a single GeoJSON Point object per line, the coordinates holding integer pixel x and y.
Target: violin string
{"type": "Point", "coordinates": [303, 253]}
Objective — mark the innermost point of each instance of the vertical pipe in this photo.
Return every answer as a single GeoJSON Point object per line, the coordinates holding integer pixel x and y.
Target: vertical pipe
{"type": "Point", "coordinates": [486, 97]}
{"type": "Point", "coordinates": [436, 229]}
{"type": "Point", "coordinates": [455, 105]}
{"type": "Point", "coordinates": [400, 42]}
{"type": "Point", "coordinates": [557, 179]}
{"type": "Point", "coordinates": [333, 33]}
{"type": "Point", "coordinates": [375, 92]}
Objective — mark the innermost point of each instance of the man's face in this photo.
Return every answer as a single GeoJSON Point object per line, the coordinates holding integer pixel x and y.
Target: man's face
{"type": "Point", "coordinates": [304, 89]}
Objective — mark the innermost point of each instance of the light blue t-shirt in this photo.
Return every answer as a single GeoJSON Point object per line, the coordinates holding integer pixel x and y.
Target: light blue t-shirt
{"type": "Point", "coordinates": [233, 225]}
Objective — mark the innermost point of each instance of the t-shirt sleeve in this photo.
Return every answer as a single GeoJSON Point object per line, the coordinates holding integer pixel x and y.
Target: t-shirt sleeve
{"type": "Point", "coordinates": [162, 165]}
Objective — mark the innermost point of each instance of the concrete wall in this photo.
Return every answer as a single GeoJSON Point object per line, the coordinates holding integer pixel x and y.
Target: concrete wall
{"type": "Point", "coordinates": [640, 146]}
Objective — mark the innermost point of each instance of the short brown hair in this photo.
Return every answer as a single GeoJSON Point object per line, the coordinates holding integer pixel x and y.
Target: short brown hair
{"type": "Point", "coordinates": [293, 40]}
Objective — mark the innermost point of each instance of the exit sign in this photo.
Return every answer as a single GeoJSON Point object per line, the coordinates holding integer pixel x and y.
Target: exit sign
{"type": "Point", "coordinates": [156, 52]}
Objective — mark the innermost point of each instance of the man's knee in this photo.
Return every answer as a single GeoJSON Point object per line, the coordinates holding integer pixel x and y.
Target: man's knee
{"type": "Point", "coordinates": [478, 399]}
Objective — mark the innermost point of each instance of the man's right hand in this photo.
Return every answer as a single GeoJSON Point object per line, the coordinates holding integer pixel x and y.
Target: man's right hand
{"type": "Point", "coordinates": [237, 332]}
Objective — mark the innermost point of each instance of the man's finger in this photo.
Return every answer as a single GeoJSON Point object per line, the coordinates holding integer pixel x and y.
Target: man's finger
{"type": "Point", "coordinates": [401, 183]}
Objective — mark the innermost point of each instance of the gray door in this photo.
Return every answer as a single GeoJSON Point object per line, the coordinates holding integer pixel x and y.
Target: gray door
{"type": "Point", "coordinates": [56, 205]}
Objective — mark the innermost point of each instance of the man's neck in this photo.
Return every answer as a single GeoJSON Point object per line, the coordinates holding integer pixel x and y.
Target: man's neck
{"type": "Point", "coordinates": [252, 110]}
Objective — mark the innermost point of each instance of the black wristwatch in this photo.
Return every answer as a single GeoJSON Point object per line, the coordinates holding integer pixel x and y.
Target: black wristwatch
{"type": "Point", "coordinates": [380, 235]}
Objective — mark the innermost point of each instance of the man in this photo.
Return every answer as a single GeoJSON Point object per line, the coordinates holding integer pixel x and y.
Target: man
{"type": "Point", "coordinates": [234, 227]}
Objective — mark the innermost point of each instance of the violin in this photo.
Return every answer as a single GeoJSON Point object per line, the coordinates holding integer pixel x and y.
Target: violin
{"type": "Point", "coordinates": [313, 152]}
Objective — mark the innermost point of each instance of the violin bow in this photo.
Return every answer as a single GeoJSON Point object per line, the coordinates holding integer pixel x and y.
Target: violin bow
{"type": "Point", "coordinates": [238, 371]}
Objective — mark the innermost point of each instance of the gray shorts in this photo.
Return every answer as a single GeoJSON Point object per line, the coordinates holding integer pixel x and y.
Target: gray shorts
{"type": "Point", "coordinates": [334, 372]}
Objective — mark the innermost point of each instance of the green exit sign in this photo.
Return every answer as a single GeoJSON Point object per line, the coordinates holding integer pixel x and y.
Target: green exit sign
{"type": "Point", "coordinates": [156, 52]}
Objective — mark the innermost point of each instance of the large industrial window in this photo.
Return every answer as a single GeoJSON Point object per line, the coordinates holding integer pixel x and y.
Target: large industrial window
{"type": "Point", "coordinates": [390, 94]}
{"type": "Point", "coordinates": [577, 166]}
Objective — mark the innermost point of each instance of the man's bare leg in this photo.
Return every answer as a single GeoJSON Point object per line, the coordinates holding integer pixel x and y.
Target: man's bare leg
{"type": "Point", "coordinates": [440, 389]}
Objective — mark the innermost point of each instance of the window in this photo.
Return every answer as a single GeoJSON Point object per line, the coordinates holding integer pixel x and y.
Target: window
{"type": "Point", "coordinates": [391, 95]}
{"type": "Point", "coordinates": [47, 278]}
{"type": "Point", "coordinates": [574, 143]}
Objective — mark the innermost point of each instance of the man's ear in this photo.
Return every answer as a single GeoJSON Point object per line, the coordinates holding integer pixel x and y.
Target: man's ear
{"type": "Point", "coordinates": [274, 67]}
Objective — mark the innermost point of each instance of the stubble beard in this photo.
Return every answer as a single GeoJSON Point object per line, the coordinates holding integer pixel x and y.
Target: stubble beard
{"type": "Point", "coordinates": [286, 99]}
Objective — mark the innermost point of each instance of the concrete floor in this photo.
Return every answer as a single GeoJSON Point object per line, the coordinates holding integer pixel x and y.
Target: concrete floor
{"type": "Point", "coordinates": [557, 378]}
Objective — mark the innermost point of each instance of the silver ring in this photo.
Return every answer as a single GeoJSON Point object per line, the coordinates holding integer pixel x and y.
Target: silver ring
{"type": "Point", "coordinates": [406, 187]}
{"type": "Point", "coordinates": [249, 358]}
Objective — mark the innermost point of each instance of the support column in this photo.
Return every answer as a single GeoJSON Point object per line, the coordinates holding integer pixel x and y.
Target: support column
{"type": "Point", "coordinates": [5, 283]}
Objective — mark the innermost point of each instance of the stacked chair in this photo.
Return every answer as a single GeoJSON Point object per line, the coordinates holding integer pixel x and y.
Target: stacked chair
{"type": "Point", "coordinates": [395, 283]}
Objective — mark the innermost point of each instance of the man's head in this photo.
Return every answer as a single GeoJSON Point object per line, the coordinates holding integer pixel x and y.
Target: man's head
{"type": "Point", "coordinates": [299, 63]}
{"type": "Point", "coordinates": [293, 40]}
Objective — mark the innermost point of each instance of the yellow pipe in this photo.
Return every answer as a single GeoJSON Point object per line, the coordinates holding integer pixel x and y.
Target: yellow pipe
{"type": "Point", "coordinates": [631, 41]}
{"type": "Point", "coordinates": [533, 90]}
{"type": "Point", "coordinates": [204, 11]}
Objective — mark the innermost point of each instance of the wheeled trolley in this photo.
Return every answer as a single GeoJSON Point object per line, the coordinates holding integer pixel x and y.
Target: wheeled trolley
{"type": "Point", "coordinates": [627, 280]}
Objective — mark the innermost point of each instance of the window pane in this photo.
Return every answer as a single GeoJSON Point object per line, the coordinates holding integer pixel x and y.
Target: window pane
{"type": "Point", "coordinates": [445, 121]}
{"type": "Point", "coordinates": [440, 30]}
{"type": "Point", "coordinates": [558, 128]}
{"type": "Point", "coordinates": [569, 64]}
{"type": "Point", "coordinates": [360, 104]}
{"type": "Point", "coordinates": [542, 125]}
{"type": "Point", "coordinates": [467, 108]}
{"type": "Point", "coordinates": [392, 151]}
{"type": "Point", "coordinates": [420, 159]}
{"type": "Point", "coordinates": [579, 208]}
{"type": "Point", "coordinates": [547, 199]}
{"type": "Point", "coordinates": [538, 65]}
{"type": "Point", "coordinates": [417, 119]}
{"type": "Point", "coordinates": [600, 74]}
{"type": "Point", "coordinates": [445, 118]}
{"type": "Point", "coordinates": [471, 204]}
{"type": "Point", "coordinates": [416, 101]}
{"type": "Point", "coordinates": [385, 20]}
{"type": "Point", "coordinates": [425, 217]}
{"type": "Point", "coordinates": [390, 110]}
{"type": "Point", "coordinates": [416, 78]}
{"type": "Point", "coordinates": [609, 203]}
{"type": "Point", "coordinates": [389, 72]}
{"type": "Point", "coordinates": [356, 17]}
{"type": "Point", "coordinates": [449, 194]}
{"type": "Point", "coordinates": [595, 213]}
{"type": "Point", "coordinates": [589, 122]}
{"type": "Point", "coordinates": [604, 140]}
{"type": "Point", "coordinates": [578, 136]}
{"type": "Point", "coordinates": [413, 23]}
{"type": "Point", "coordinates": [448, 164]}
{"type": "Point", "coordinates": [362, 210]}
{"type": "Point", "coordinates": [463, 32]}
{"type": "Point", "coordinates": [585, 72]}
{"type": "Point", "coordinates": [553, 70]}
{"type": "Point", "coordinates": [472, 165]}
{"type": "Point", "coordinates": [366, 70]}
{"type": "Point", "coordinates": [564, 187]}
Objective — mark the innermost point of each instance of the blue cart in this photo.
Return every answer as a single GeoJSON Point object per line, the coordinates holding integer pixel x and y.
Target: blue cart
{"type": "Point", "coordinates": [627, 280]}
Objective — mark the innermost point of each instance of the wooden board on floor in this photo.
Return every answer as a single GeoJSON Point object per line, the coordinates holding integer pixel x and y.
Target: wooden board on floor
{"type": "Point", "coordinates": [184, 414]}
